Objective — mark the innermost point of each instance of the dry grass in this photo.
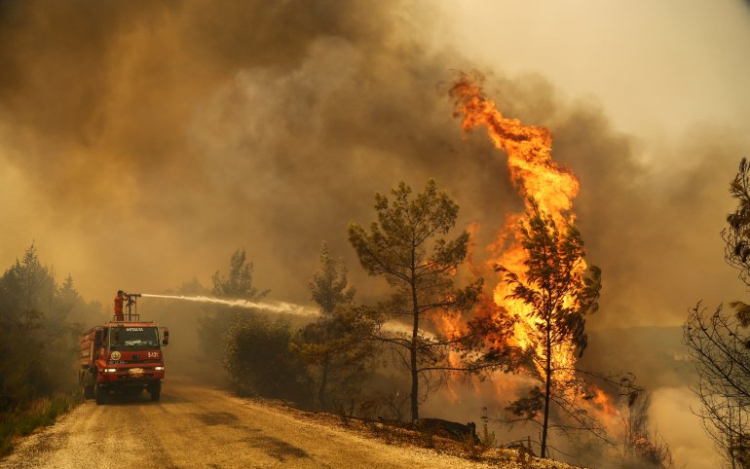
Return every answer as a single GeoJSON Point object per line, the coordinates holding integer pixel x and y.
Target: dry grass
{"type": "Point", "coordinates": [398, 434]}
{"type": "Point", "coordinates": [40, 413]}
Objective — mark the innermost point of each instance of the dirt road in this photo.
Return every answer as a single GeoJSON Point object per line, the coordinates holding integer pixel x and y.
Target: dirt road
{"type": "Point", "coordinates": [197, 427]}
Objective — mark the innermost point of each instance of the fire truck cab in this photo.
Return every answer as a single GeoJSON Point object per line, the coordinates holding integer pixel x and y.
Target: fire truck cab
{"type": "Point", "coordinates": [122, 356]}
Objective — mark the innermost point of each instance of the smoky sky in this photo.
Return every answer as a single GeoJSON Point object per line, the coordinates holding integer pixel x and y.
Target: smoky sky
{"type": "Point", "coordinates": [143, 143]}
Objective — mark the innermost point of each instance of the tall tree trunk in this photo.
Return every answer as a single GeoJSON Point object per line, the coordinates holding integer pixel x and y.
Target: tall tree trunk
{"type": "Point", "coordinates": [413, 360]}
{"type": "Point", "coordinates": [323, 383]}
{"type": "Point", "coordinates": [414, 341]}
{"type": "Point", "coordinates": [547, 390]}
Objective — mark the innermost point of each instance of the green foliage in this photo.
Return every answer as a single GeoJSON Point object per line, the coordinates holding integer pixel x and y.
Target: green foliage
{"type": "Point", "coordinates": [405, 247]}
{"type": "Point", "coordinates": [38, 346]}
{"type": "Point", "coordinates": [336, 347]}
{"type": "Point", "coordinates": [40, 413]}
{"type": "Point", "coordinates": [238, 284]}
{"type": "Point", "coordinates": [339, 353]}
{"type": "Point", "coordinates": [257, 355]}
{"type": "Point", "coordinates": [38, 343]}
{"type": "Point", "coordinates": [560, 296]}
{"type": "Point", "coordinates": [329, 286]}
{"type": "Point", "coordinates": [397, 245]}
{"type": "Point", "coordinates": [255, 351]}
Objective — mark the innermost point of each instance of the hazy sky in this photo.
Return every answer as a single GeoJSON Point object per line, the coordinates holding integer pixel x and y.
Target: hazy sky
{"type": "Point", "coordinates": [141, 144]}
{"type": "Point", "coordinates": [655, 67]}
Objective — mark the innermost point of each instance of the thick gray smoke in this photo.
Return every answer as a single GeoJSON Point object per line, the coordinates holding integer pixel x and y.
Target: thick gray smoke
{"type": "Point", "coordinates": [147, 142]}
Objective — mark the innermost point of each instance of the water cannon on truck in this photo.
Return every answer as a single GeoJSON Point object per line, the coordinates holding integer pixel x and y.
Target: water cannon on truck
{"type": "Point", "coordinates": [124, 355]}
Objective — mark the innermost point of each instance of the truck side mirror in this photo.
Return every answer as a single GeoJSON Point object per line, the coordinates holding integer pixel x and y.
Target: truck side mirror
{"type": "Point", "coordinates": [165, 337]}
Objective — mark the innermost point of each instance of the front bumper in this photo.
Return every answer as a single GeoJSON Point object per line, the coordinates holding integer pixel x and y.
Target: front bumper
{"type": "Point", "coordinates": [131, 374]}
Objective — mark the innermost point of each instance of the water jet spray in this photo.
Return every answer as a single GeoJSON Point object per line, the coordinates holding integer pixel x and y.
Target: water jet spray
{"type": "Point", "coordinates": [279, 307]}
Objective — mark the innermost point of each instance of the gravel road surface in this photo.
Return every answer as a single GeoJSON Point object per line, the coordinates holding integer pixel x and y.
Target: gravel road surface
{"type": "Point", "coordinates": [198, 427]}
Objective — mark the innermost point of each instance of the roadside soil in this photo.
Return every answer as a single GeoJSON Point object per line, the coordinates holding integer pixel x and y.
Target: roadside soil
{"type": "Point", "coordinates": [198, 427]}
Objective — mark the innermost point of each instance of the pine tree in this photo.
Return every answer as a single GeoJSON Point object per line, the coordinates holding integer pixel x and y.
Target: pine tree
{"type": "Point", "coordinates": [560, 296]}
{"type": "Point", "coordinates": [406, 247]}
{"type": "Point", "coordinates": [336, 346]}
{"type": "Point", "coordinates": [214, 327]}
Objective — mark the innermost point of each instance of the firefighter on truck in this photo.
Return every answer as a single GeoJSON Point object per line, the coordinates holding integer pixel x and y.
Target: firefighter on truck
{"type": "Point", "coordinates": [123, 356]}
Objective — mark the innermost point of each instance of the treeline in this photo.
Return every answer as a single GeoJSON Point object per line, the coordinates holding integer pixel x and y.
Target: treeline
{"type": "Point", "coordinates": [40, 320]}
{"type": "Point", "coordinates": [324, 364]}
{"type": "Point", "coordinates": [342, 361]}
{"type": "Point", "coordinates": [382, 360]}
{"type": "Point", "coordinates": [372, 360]}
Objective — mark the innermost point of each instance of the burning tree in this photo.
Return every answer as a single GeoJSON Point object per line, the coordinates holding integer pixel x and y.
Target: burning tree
{"type": "Point", "coordinates": [547, 288]}
{"type": "Point", "coordinates": [719, 343]}
{"type": "Point", "coordinates": [559, 293]}
{"type": "Point", "coordinates": [405, 248]}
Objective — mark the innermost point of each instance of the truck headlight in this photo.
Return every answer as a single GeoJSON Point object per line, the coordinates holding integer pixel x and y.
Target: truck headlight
{"type": "Point", "coordinates": [159, 368]}
{"type": "Point", "coordinates": [110, 370]}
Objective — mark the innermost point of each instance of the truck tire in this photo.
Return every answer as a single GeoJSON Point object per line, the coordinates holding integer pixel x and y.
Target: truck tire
{"type": "Point", "coordinates": [99, 394]}
{"type": "Point", "coordinates": [88, 391]}
{"type": "Point", "coordinates": [155, 391]}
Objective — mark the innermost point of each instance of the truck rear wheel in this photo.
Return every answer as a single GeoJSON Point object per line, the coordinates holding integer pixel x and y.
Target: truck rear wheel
{"type": "Point", "coordinates": [99, 394]}
{"type": "Point", "coordinates": [155, 391]}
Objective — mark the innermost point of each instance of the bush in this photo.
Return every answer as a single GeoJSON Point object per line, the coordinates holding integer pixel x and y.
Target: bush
{"type": "Point", "coordinates": [258, 358]}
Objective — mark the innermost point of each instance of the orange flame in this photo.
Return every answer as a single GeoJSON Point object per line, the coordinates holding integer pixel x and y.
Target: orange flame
{"type": "Point", "coordinates": [553, 188]}
{"type": "Point", "coordinates": [602, 405]}
{"type": "Point", "coordinates": [529, 150]}
{"type": "Point", "coordinates": [536, 176]}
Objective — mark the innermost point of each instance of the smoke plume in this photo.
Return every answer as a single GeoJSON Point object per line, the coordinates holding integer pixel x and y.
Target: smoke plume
{"type": "Point", "coordinates": [145, 142]}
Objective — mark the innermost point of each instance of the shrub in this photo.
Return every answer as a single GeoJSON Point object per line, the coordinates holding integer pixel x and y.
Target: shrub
{"type": "Point", "coordinates": [260, 362]}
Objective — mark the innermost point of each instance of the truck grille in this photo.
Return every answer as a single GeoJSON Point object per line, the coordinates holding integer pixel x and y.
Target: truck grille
{"type": "Point", "coordinates": [135, 377]}
{"type": "Point", "coordinates": [132, 362]}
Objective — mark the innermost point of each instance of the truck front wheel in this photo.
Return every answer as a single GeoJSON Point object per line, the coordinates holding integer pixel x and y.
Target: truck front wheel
{"type": "Point", "coordinates": [88, 391]}
{"type": "Point", "coordinates": [155, 391]}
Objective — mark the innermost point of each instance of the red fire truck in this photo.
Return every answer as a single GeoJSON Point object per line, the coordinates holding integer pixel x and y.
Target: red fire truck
{"type": "Point", "coordinates": [124, 355]}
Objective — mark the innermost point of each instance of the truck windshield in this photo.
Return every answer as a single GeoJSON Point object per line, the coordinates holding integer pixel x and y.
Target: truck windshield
{"type": "Point", "coordinates": [133, 338]}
